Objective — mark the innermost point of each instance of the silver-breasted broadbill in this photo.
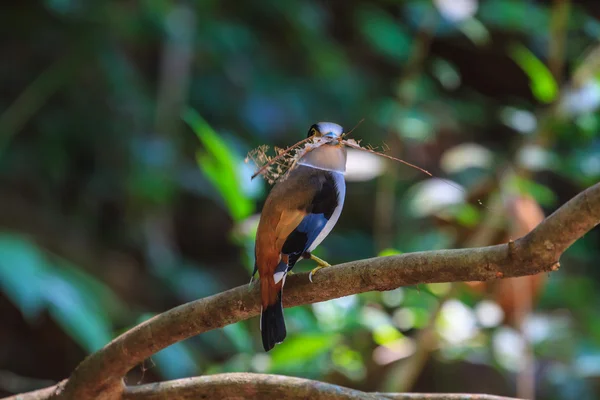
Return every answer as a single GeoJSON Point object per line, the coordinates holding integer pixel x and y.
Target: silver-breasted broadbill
{"type": "Point", "coordinates": [300, 211]}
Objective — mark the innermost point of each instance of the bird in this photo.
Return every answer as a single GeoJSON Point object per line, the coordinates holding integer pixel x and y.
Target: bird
{"type": "Point", "coordinates": [299, 212]}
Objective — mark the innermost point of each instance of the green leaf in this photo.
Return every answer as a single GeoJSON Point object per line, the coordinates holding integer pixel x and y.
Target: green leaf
{"type": "Point", "coordinates": [219, 165]}
{"type": "Point", "coordinates": [421, 317]}
{"type": "Point", "coordinates": [348, 361]}
{"type": "Point", "coordinates": [515, 15]}
{"type": "Point", "coordinates": [74, 300]}
{"type": "Point", "coordinates": [439, 289]}
{"type": "Point", "coordinates": [300, 348]}
{"type": "Point", "coordinates": [385, 334]}
{"type": "Point", "coordinates": [384, 33]}
{"type": "Point", "coordinates": [467, 215]}
{"type": "Point", "coordinates": [541, 81]}
{"type": "Point", "coordinates": [76, 316]}
{"type": "Point", "coordinates": [388, 252]}
{"type": "Point", "coordinates": [23, 271]}
{"type": "Point", "coordinates": [541, 193]}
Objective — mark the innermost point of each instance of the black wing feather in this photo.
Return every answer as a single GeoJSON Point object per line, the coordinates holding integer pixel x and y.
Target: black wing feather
{"type": "Point", "coordinates": [320, 211]}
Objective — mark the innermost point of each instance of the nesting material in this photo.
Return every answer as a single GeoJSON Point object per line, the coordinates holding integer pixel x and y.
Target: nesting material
{"type": "Point", "coordinates": [276, 167]}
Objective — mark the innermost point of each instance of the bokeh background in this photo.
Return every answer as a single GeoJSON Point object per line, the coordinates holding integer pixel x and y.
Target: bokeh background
{"type": "Point", "coordinates": [123, 189]}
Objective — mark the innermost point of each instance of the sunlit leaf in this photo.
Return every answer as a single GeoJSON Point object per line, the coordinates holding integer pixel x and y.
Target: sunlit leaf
{"type": "Point", "coordinates": [542, 83]}
{"type": "Point", "coordinates": [23, 271]}
{"type": "Point", "coordinates": [467, 215]}
{"type": "Point", "coordinates": [421, 317]}
{"type": "Point", "coordinates": [348, 361]}
{"type": "Point", "coordinates": [385, 334]}
{"type": "Point", "coordinates": [219, 165]}
{"type": "Point", "coordinates": [300, 348]}
{"type": "Point", "coordinates": [541, 193]}
{"type": "Point", "coordinates": [388, 252]}
{"type": "Point", "coordinates": [439, 289]}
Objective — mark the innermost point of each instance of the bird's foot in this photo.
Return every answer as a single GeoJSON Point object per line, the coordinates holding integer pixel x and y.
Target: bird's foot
{"type": "Point", "coordinates": [322, 264]}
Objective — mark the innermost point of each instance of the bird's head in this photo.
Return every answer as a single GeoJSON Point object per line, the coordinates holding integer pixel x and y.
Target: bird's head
{"type": "Point", "coordinates": [327, 152]}
{"type": "Point", "coordinates": [327, 130]}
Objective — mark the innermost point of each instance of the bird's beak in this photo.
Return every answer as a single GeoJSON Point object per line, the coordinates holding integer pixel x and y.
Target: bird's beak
{"type": "Point", "coordinates": [332, 138]}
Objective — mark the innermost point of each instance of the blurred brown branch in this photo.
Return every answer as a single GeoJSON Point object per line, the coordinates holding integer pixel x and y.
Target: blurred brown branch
{"type": "Point", "coordinates": [100, 376]}
{"type": "Point", "coordinates": [261, 386]}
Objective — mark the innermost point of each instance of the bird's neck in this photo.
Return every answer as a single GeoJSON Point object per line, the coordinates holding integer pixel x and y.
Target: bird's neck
{"type": "Point", "coordinates": [326, 157]}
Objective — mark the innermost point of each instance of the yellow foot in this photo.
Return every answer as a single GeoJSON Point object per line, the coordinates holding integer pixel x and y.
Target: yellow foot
{"type": "Point", "coordinates": [322, 264]}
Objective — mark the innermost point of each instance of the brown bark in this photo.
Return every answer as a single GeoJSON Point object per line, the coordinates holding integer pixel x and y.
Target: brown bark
{"type": "Point", "coordinates": [261, 386]}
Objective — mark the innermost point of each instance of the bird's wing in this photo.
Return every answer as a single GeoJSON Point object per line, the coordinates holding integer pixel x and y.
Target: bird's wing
{"type": "Point", "coordinates": [286, 206]}
{"type": "Point", "coordinates": [288, 222]}
{"type": "Point", "coordinates": [318, 213]}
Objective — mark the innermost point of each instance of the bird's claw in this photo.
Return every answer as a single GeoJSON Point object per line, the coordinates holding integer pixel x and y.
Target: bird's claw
{"type": "Point", "coordinates": [322, 264]}
{"type": "Point", "coordinates": [313, 272]}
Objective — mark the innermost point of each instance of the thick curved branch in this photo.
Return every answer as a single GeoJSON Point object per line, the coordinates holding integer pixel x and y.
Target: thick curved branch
{"type": "Point", "coordinates": [100, 375]}
{"type": "Point", "coordinates": [261, 386]}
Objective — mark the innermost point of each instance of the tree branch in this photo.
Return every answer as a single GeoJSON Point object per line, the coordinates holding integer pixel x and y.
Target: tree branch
{"type": "Point", "coordinates": [261, 386]}
{"type": "Point", "coordinates": [100, 375]}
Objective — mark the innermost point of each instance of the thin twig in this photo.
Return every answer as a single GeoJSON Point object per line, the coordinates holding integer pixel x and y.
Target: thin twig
{"type": "Point", "coordinates": [358, 147]}
{"type": "Point", "coordinates": [346, 134]}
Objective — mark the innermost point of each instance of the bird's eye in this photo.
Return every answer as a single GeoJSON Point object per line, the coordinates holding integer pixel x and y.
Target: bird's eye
{"type": "Point", "coordinates": [313, 131]}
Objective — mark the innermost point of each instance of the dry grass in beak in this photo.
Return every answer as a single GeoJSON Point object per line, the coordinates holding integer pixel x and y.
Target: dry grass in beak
{"type": "Point", "coordinates": [275, 168]}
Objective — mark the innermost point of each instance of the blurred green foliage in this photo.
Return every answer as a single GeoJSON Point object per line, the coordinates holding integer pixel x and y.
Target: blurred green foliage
{"type": "Point", "coordinates": [123, 191]}
{"type": "Point", "coordinates": [219, 166]}
{"type": "Point", "coordinates": [542, 83]}
{"type": "Point", "coordinates": [36, 282]}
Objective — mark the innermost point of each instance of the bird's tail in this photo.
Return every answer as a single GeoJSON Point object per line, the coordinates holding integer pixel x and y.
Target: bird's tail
{"type": "Point", "coordinates": [272, 324]}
